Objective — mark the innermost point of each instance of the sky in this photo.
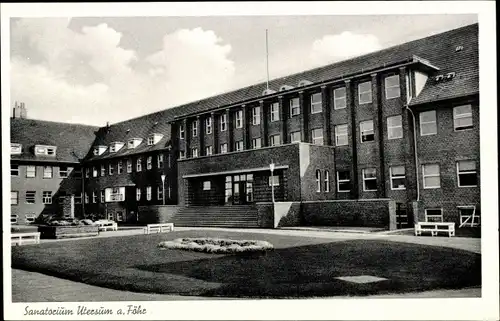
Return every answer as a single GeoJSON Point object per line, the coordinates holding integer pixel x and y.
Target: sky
{"type": "Point", "coordinates": [95, 70]}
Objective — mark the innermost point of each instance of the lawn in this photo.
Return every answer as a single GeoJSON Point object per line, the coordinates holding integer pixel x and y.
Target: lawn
{"type": "Point", "coordinates": [297, 267]}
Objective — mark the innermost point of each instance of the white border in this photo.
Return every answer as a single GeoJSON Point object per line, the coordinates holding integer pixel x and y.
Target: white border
{"type": "Point", "coordinates": [321, 309]}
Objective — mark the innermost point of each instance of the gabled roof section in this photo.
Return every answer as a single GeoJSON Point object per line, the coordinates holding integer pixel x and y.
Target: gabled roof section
{"type": "Point", "coordinates": [73, 141]}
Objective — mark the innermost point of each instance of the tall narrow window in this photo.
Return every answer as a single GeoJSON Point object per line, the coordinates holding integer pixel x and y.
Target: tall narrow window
{"type": "Point", "coordinates": [223, 122]}
{"type": "Point", "coordinates": [238, 146]}
{"type": "Point", "coordinates": [395, 127]}
{"type": "Point", "coordinates": [256, 143]}
{"type": "Point", "coordinates": [110, 169]}
{"type": "Point", "coordinates": [275, 112]}
{"type": "Point", "coordinates": [138, 164]}
{"type": "Point", "coordinates": [223, 148]}
{"type": "Point", "coordinates": [327, 181]}
{"type": "Point", "coordinates": [294, 107]}
{"type": "Point", "coordinates": [103, 196]}
{"type": "Point", "coordinates": [398, 177]}
{"type": "Point", "coordinates": [366, 131]}
{"type": "Point", "coordinates": [30, 171]}
{"type": "Point", "coordinates": [462, 117]}
{"type": "Point", "coordinates": [316, 103]}
{"type": "Point", "coordinates": [47, 172]}
{"type": "Point", "coordinates": [129, 165]}
{"type": "Point", "coordinates": [365, 92]}
{"type": "Point", "coordinates": [194, 128]}
{"type": "Point", "coordinates": [149, 162]}
{"type": "Point", "coordinates": [431, 176]}
{"type": "Point", "coordinates": [120, 167]}
{"type": "Point", "coordinates": [467, 174]}
{"type": "Point", "coordinates": [256, 115]}
{"type": "Point", "coordinates": [194, 152]}
{"type": "Point", "coordinates": [182, 154]}
{"type": "Point", "coordinates": [343, 181]}
{"type": "Point", "coordinates": [428, 123]}
{"type": "Point", "coordinates": [392, 89]}
{"type": "Point", "coordinates": [148, 193]}
{"type": "Point", "coordinates": [275, 140]}
{"type": "Point", "coordinates": [208, 125]}
{"type": "Point", "coordinates": [137, 194]}
{"type": "Point", "coordinates": [94, 197]}
{"type": "Point", "coordinates": [208, 150]}
{"type": "Point", "coordinates": [369, 179]}
{"type": "Point", "coordinates": [295, 137]}
{"type": "Point", "coordinates": [94, 171]}
{"type": "Point", "coordinates": [317, 136]}
{"type": "Point", "coordinates": [339, 98]}
{"type": "Point", "coordinates": [159, 193]}
{"type": "Point", "coordinates": [14, 198]}
{"type": "Point", "coordinates": [181, 131]}
{"type": "Point", "coordinates": [341, 137]}
{"type": "Point", "coordinates": [318, 181]}
{"type": "Point", "coordinates": [239, 119]}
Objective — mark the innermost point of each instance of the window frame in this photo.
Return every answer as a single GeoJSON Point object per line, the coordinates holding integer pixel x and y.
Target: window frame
{"type": "Point", "coordinates": [292, 139]}
{"type": "Point", "coordinates": [294, 107]}
{"type": "Point", "coordinates": [256, 115]}
{"type": "Point", "coordinates": [363, 172]}
{"type": "Point", "coordinates": [129, 165]}
{"type": "Point", "coordinates": [111, 169]}
{"type": "Point", "coordinates": [15, 170]}
{"type": "Point", "coordinates": [455, 117]}
{"type": "Point", "coordinates": [103, 170]}
{"type": "Point", "coordinates": [365, 92]}
{"type": "Point", "coordinates": [466, 172]}
{"type": "Point", "coordinates": [159, 193]}
{"type": "Point", "coordinates": [223, 148]}
{"type": "Point", "coordinates": [337, 135]}
{"type": "Point", "coordinates": [388, 78]}
{"type": "Point", "coordinates": [47, 199]}
{"type": "Point", "coordinates": [393, 177]}
{"type": "Point", "coordinates": [31, 199]}
{"type": "Point", "coordinates": [361, 131]}
{"type": "Point", "coordinates": [326, 181]}
{"type": "Point", "coordinates": [342, 98]}
{"type": "Point", "coordinates": [433, 215]}
{"type": "Point", "coordinates": [313, 138]}
{"type": "Point", "coordinates": [51, 172]}
{"type": "Point", "coordinates": [318, 181]}
{"type": "Point", "coordinates": [182, 132]}
{"type": "Point", "coordinates": [138, 194]}
{"type": "Point", "coordinates": [275, 114]}
{"type": "Point", "coordinates": [205, 188]}
{"type": "Point", "coordinates": [16, 193]}
{"type": "Point", "coordinates": [29, 218]}
{"type": "Point", "coordinates": [208, 125]}
{"type": "Point", "coordinates": [420, 122]}
{"type": "Point", "coordinates": [103, 196]}
{"type": "Point", "coordinates": [320, 103]}
{"type": "Point", "coordinates": [28, 171]}
{"type": "Point", "coordinates": [424, 175]}
{"type": "Point", "coordinates": [194, 128]}
{"type": "Point", "coordinates": [223, 122]}
{"type": "Point", "coordinates": [272, 181]}
{"type": "Point", "coordinates": [194, 152]}
{"type": "Point", "coordinates": [238, 119]}
{"type": "Point", "coordinates": [254, 143]}
{"type": "Point", "coordinates": [149, 162]}
{"type": "Point", "coordinates": [209, 150]}
{"type": "Point", "coordinates": [149, 193]}
{"type": "Point", "coordinates": [400, 117]}
{"type": "Point", "coordinates": [64, 173]}
{"type": "Point", "coordinates": [238, 146]}
{"type": "Point", "coordinates": [271, 140]}
{"type": "Point", "coordinates": [343, 181]}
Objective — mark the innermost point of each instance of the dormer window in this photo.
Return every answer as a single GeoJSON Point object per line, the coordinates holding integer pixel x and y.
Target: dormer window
{"type": "Point", "coordinates": [154, 139]}
{"type": "Point", "coordinates": [115, 146]}
{"type": "Point", "coordinates": [99, 150]}
{"type": "Point", "coordinates": [44, 150]}
{"type": "Point", "coordinates": [15, 148]}
{"type": "Point", "coordinates": [134, 142]}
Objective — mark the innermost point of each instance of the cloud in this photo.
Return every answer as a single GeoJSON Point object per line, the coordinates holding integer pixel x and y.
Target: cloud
{"type": "Point", "coordinates": [86, 76]}
{"type": "Point", "coordinates": [333, 48]}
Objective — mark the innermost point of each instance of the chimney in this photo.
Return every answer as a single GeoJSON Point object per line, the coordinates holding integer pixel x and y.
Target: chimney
{"type": "Point", "coordinates": [19, 110]}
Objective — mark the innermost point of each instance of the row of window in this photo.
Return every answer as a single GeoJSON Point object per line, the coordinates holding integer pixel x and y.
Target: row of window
{"type": "Point", "coordinates": [392, 90]}
{"type": "Point", "coordinates": [48, 171]}
{"type": "Point", "coordinates": [28, 218]}
{"type": "Point", "coordinates": [462, 120]}
{"type": "Point", "coordinates": [466, 212]}
{"type": "Point", "coordinates": [30, 197]}
{"type": "Point", "coordinates": [110, 169]}
{"type": "Point", "coordinates": [39, 150]}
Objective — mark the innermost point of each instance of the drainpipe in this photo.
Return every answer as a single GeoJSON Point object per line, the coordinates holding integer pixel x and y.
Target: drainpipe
{"type": "Point", "coordinates": [82, 169]}
{"type": "Point", "coordinates": [415, 150]}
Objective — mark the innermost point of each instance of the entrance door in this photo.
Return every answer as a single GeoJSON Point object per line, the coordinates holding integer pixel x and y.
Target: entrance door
{"type": "Point", "coordinates": [239, 193]}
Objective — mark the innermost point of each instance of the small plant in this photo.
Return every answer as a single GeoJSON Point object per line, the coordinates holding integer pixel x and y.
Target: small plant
{"type": "Point", "coordinates": [214, 245]}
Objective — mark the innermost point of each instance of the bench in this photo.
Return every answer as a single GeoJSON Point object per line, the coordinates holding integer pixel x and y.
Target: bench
{"type": "Point", "coordinates": [105, 227]}
{"type": "Point", "coordinates": [23, 238]}
{"type": "Point", "coordinates": [159, 228]}
{"type": "Point", "coordinates": [434, 228]}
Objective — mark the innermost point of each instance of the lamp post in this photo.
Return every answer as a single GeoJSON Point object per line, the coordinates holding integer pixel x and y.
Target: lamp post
{"type": "Point", "coordinates": [163, 187]}
{"type": "Point", "coordinates": [271, 167]}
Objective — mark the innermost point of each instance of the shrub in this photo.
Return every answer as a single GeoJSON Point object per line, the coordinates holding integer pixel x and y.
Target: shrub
{"type": "Point", "coordinates": [214, 245]}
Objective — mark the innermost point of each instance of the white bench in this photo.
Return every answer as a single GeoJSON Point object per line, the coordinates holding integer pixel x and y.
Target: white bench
{"type": "Point", "coordinates": [435, 227]}
{"type": "Point", "coordinates": [159, 228]}
{"type": "Point", "coordinates": [23, 238]}
{"type": "Point", "coordinates": [105, 227]}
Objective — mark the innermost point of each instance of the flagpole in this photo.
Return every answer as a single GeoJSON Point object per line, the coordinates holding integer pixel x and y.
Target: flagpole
{"type": "Point", "coordinates": [267, 62]}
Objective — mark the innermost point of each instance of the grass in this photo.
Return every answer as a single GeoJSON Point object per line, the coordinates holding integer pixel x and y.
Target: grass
{"type": "Point", "coordinates": [297, 267]}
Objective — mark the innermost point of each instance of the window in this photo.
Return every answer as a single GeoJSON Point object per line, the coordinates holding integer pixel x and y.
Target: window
{"type": "Point", "coordinates": [120, 167]}
{"type": "Point", "coordinates": [317, 136]}
{"type": "Point", "coordinates": [148, 193]}
{"type": "Point", "coordinates": [29, 218]}
{"type": "Point", "coordinates": [194, 152]}
{"type": "Point", "coordinates": [138, 164]}
{"type": "Point", "coordinates": [223, 148]}
{"type": "Point", "coordinates": [94, 171]}
{"type": "Point", "coordinates": [129, 166]}
{"type": "Point", "coordinates": [327, 181]}
{"type": "Point", "coordinates": [31, 171]}
{"type": "Point", "coordinates": [47, 172]}
{"type": "Point", "coordinates": [395, 127]}
{"type": "Point", "coordinates": [47, 197]}
{"type": "Point", "coordinates": [194, 128]}
{"type": "Point", "coordinates": [275, 112]}
{"type": "Point", "coordinates": [110, 169]}
{"type": "Point", "coordinates": [466, 213]}
{"type": "Point", "coordinates": [13, 218]}
{"type": "Point", "coordinates": [239, 119]}
{"type": "Point", "coordinates": [103, 170]}
{"type": "Point", "coordinates": [366, 130]}
{"type": "Point", "coordinates": [64, 171]}
{"type": "Point", "coordinates": [159, 193]}
{"type": "Point", "coordinates": [275, 140]}
{"type": "Point", "coordinates": [256, 143]}
{"type": "Point", "coordinates": [207, 185]}
{"type": "Point", "coordinates": [274, 180]}
{"type": "Point", "coordinates": [45, 150]}
{"type": "Point", "coordinates": [182, 154]}
{"type": "Point", "coordinates": [256, 115]}
{"type": "Point", "coordinates": [238, 146]}
{"type": "Point", "coordinates": [87, 172]}
{"type": "Point", "coordinates": [341, 137]}
{"type": "Point", "coordinates": [433, 215]}
{"type": "Point", "coordinates": [339, 98]}
{"type": "Point", "coordinates": [365, 92]}
{"type": "Point", "coordinates": [208, 150]}
{"type": "Point", "coordinates": [149, 162]}
{"type": "Point", "coordinates": [138, 194]}
{"type": "Point", "coordinates": [116, 194]}
{"type": "Point", "coordinates": [15, 148]}
{"type": "Point", "coordinates": [78, 198]}
{"type": "Point", "coordinates": [398, 177]}
{"type": "Point", "coordinates": [466, 172]}
{"type": "Point", "coordinates": [86, 198]}
{"type": "Point", "coordinates": [392, 89]}
{"type": "Point", "coordinates": [369, 179]}
{"type": "Point", "coordinates": [430, 173]}
{"type": "Point", "coordinates": [223, 122]}
{"type": "Point", "coordinates": [294, 107]}
{"type": "Point", "coordinates": [151, 140]}
{"type": "Point", "coordinates": [181, 131]}
{"type": "Point", "coordinates": [295, 137]}
{"type": "Point", "coordinates": [316, 103]}
{"type": "Point", "coordinates": [208, 125]}
{"type": "Point", "coordinates": [14, 170]}
{"type": "Point", "coordinates": [103, 195]}
{"type": "Point", "coordinates": [318, 181]}
{"type": "Point", "coordinates": [119, 216]}
{"type": "Point", "coordinates": [14, 198]}
{"type": "Point", "coordinates": [30, 197]}
{"type": "Point", "coordinates": [94, 197]}
{"type": "Point", "coordinates": [428, 124]}
{"type": "Point", "coordinates": [462, 117]}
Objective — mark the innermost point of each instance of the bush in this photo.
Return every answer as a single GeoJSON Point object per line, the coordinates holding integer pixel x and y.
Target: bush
{"type": "Point", "coordinates": [213, 245]}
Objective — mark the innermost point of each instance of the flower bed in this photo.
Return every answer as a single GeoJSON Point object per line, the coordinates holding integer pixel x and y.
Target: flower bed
{"type": "Point", "coordinates": [213, 245]}
{"type": "Point", "coordinates": [58, 232]}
